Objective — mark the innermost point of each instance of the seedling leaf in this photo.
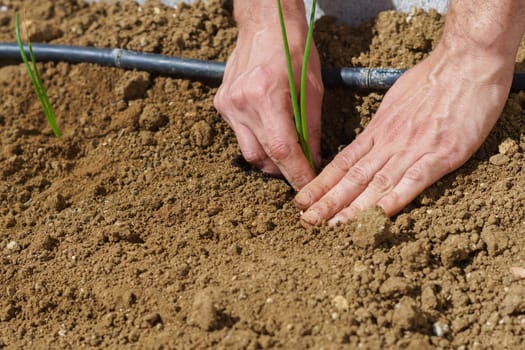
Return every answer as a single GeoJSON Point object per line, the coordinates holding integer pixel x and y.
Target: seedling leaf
{"type": "Point", "coordinates": [302, 99]}
{"type": "Point", "coordinates": [299, 111]}
{"type": "Point", "coordinates": [36, 80]}
{"type": "Point", "coordinates": [291, 78]}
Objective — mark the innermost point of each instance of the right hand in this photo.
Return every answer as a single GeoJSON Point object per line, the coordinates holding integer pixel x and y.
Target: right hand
{"type": "Point", "coordinates": [254, 99]}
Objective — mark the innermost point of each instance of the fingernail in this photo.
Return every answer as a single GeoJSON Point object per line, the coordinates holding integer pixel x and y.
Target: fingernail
{"type": "Point", "coordinates": [311, 217]}
{"type": "Point", "coordinates": [336, 220]}
{"type": "Point", "coordinates": [303, 200]}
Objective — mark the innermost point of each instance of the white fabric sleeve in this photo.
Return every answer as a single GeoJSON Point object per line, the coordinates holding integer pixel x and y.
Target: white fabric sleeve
{"type": "Point", "coordinates": [356, 11]}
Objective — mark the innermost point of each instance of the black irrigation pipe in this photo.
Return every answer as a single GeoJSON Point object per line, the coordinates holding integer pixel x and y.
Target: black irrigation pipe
{"type": "Point", "coordinates": [365, 78]}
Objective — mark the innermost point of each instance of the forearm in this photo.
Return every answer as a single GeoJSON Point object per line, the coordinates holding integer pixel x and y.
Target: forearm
{"type": "Point", "coordinates": [264, 14]}
{"type": "Point", "coordinates": [490, 26]}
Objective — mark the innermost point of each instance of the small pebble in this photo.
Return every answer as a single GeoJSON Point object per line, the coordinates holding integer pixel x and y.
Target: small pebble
{"type": "Point", "coordinates": [499, 159]}
{"type": "Point", "coordinates": [508, 147]}
{"type": "Point", "coordinates": [13, 246]}
{"type": "Point", "coordinates": [514, 302]}
{"type": "Point", "coordinates": [518, 272]}
{"type": "Point", "coordinates": [143, 42]}
{"type": "Point", "coordinates": [153, 319]}
{"type": "Point", "coordinates": [340, 303]}
{"type": "Point", "coordinates": [440, 329]}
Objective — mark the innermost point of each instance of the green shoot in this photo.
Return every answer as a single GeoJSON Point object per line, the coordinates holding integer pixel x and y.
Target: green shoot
{"type": "Point", "coordinates": [36, 80]}
{"type": "Point", "coordinates": [299, 107]}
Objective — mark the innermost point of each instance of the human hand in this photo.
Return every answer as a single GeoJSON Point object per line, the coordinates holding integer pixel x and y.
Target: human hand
{"type": "Point", "coordinates": [430, 122]}
{"type": "Point", "coordinates": [254, 99]}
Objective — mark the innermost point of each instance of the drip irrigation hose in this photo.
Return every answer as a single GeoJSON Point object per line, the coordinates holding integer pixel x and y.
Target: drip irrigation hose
{"type": "Point", "coordinates": [364, 78]}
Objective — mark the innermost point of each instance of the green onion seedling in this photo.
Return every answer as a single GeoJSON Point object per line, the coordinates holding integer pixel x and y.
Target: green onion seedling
{"type": "Point", "coordinates": [36, 80]}
{"type": "Point", "coordinates": [299, 107]}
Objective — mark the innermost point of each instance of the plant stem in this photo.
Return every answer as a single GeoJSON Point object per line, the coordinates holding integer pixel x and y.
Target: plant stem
{"type": "Point", "coordinates": [36, 80]}
{"type": "Point", "coordinates": [304, 71]}
{"type": "Point", "coordinates": [301, 123]}
{"type": "Point", "coordinates": [291, 79]}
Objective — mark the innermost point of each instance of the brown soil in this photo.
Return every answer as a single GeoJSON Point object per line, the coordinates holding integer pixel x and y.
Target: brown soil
{"type": "Point", "coordinates": [143, 228]}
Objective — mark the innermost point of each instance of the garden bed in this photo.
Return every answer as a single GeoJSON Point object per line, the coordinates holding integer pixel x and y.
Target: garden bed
{"type": "Point", "coordinates": [142, 227]}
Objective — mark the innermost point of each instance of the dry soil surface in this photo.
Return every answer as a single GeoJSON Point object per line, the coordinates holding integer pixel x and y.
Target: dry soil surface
{"type": "Point", "coordinates": [143, 228]}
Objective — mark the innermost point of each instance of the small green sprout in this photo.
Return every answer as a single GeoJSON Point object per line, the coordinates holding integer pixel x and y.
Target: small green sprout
{"type": "Point", "coordinates": [36, 80]}
{"type": "Point", "coordinates": [299, 107]}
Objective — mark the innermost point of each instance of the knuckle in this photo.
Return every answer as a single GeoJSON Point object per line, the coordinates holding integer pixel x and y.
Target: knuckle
{"type": "Point", "coordinates": [329, 205]}
{"type": "Point", "coordinates": [259, 92]}
{"type": "Point", "coordinates": [261, 81]}
{"type": "Point", "coordinates": [358, 175]}
{"type": "Point", "coordinates": [301, 179]}
{"type": "Point", "coordinates": [415, 173]}
{"type": "Point", "coordinates": [238, 97]}
{"type": "Point", "coordinates": [252, 156]}
{"type": "Point", "coordinates": [381, 183]}
{"type": "Point", "coordinates": [250, 89]}
{"type": "Point", "coordinates": [278, 149]}
{"type": "Point", "coordinates": [343, 161]}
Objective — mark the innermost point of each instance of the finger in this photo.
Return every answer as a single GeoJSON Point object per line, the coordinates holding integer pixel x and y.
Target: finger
{"type": "Point", "coordinates": [333, 172]}
{"type": "Point", "coordinates": [351, 185]}
{"type": "Point", "coordinates": [220, 104]}
{"type": "Point", "coordinates": [281, 144]}
{"type": "Point", "coordinates": [272, 125]}
{"type": "Point", "coordinates": [383, 182]}
{"type": "Point", "coordinates": [423, 173]}
{"type": "Point", "coordinates": [231, 101]}
{"type": "Point", "coordinates": [222, 100]}
{"type": "Point", "coordinates": [231, 67]}
{"type": "Point", "coordinates": [253, 152]}
{"type": "Point", "coordinates": [314, 102]}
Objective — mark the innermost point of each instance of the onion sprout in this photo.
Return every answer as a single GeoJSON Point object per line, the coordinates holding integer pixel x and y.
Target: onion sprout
{"type": "Point", "coordinates": [299, 107]}
{"type": "Point", "coordinates": [36, 80]}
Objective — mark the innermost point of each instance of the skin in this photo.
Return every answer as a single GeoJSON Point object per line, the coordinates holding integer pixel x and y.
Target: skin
{"type": "Point", "coordinates": [254, 98]}
{"type": "Point", "coordinates": [429, 123]}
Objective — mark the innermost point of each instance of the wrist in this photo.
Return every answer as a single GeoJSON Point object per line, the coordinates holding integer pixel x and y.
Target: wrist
{"type": "Point", "coordinates": [485, 28]}
{"type": "Point", "coordinates": [480, 39]}
{"type": "Point", "coordinates": [465, 62]}
{"type": "Point", "coordinates": [256, 15]}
